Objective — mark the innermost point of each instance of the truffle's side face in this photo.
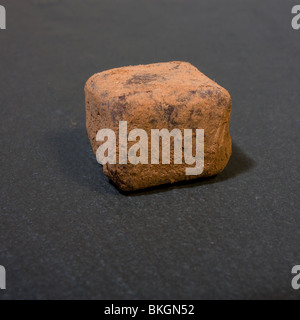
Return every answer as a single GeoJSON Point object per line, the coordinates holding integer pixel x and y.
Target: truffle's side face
{"type": "Point", "coordinates": [156, 96]}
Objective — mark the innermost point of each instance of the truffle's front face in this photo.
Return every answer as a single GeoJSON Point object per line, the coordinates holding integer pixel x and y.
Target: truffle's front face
{"type": "Point", "coordinates": [172, 95]}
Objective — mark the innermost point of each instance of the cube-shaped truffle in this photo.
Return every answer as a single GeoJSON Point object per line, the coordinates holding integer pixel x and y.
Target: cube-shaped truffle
{"type": "Point", "coordinates": [173, 95]}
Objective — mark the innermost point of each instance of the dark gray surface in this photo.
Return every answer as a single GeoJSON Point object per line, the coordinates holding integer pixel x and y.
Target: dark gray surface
{"type": "Point", "coordinates": [66, 232]}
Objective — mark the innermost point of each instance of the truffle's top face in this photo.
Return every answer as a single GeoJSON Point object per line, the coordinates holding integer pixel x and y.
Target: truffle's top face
{"type": "Point", "coordinates": [176, 79]}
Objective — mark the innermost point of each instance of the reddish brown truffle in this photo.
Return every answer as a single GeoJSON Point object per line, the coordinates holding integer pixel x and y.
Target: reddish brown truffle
{"type": "Point", "coordinates": [156, 96]}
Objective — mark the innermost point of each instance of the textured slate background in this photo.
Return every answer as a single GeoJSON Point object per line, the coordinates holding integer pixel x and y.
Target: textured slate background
{"type": "Point", "coordinates": [66, 232]}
